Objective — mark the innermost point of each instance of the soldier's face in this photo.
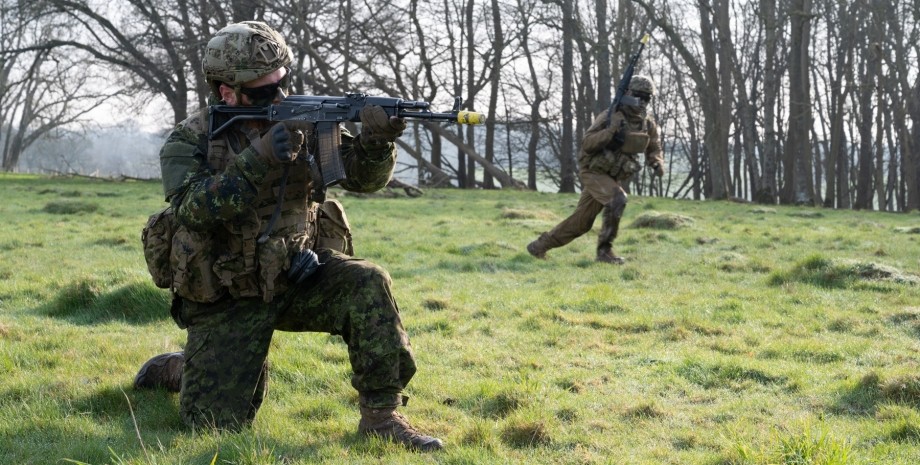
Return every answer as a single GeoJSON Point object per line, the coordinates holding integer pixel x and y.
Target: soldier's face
{"type": "Point", "coordinates": [643, 98]}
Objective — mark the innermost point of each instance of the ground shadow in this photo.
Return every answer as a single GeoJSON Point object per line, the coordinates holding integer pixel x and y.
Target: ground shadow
{"type": "Point", "coordinates": [860, 399]}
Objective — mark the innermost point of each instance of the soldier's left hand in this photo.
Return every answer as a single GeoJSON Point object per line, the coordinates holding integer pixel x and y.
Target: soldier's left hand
{"type": "Point", "coordinates": [378, 128]}
{"type": "Point", "coordinates": [658, 167]}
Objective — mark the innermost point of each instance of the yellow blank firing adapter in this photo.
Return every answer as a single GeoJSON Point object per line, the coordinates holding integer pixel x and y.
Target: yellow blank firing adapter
{"type": "Point", "coordinates": [645, 39]}
{"type": "Point", "coordinates": [470, 117]}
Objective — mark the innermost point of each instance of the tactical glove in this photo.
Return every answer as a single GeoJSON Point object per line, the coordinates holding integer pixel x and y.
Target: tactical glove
{"type": "Point", "coordinates": [378, 128]}
{"type": "Point", "coordinates": [280, 144]}
{"type": "Point", "coordinates": [658, 167]}
{"type": "Point", "coordinates": [617, 138]}
{"type": "Point", "coordinates": [304, 264]}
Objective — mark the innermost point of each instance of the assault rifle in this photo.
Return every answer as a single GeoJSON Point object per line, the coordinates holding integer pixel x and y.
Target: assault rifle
{"type": "Point", "coordinates": [327, 113]}
{"type": "Point", "coordinates": [620, 98]}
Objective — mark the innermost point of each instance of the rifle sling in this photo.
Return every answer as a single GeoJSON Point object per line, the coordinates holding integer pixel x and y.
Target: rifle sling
{"type": "Point", "coordinates": [277, 213]}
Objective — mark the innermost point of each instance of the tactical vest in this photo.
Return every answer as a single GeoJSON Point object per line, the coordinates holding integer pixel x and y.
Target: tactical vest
{"type": "Point", "coordinates": [635, 136]}
{"type": "Point", "coordinates": [239, 259]}
{"type": "Point", "coordinates": [620, 159]}
{"type": "Point", "coordinates": [251, 263]}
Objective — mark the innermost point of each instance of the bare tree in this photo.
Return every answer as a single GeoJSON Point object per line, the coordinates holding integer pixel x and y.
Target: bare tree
{"type": "Point", "coordinates": [43, 89]}
{"type": "Point", "coordinates": [798, 186]}
{"type": "Point", "coordinates": [712, 78]}
{"type": "Point", "coordinates": [807, 100]}
{"type": "Point", "coordinates": [604, 76]}
{"type": "Point", "coordinates": [870, 66]}
{"type": "Point", "coordinates": [532, 92]}
{"type": "Point", "coordinates": [747, 76]}
{"type": "Point", "coordinates": [498, 49]}
{"type": "Point", "coordinates": [838, 74]}
{"type": "Point", "coordinates": [769, 191]}
{"type": "Point", "coordinates": [566, 153]}
{"type": "Point", "coordinates": [903, 42]}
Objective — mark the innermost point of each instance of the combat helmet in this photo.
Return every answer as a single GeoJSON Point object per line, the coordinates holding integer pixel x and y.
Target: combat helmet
{"type": "Point", "coordinates": [641, 85]}
{"type": "Point", "coordinates": [242, 52]}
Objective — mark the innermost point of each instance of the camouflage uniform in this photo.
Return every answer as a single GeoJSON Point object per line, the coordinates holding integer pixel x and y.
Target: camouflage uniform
{"type": "Point", "coordinates": [232, 290]}
{"type": "Point", "coordinates": [603, 166]}
{"type": "Point", "coordinates": [228, 339]}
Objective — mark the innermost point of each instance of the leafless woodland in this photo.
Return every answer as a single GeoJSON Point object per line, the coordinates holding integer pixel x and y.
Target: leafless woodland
{"type": "Point", "coordinates": [808, 102]}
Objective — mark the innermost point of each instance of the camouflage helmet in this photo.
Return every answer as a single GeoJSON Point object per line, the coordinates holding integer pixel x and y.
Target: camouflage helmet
{"type": "Point", "coordinates": [242, 52]}
{"type": "Point", "coordinates": [642, 84]}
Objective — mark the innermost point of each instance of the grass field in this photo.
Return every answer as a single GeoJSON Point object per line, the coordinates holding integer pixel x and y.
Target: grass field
{"type": "Point", "coordinates": [735, 334]}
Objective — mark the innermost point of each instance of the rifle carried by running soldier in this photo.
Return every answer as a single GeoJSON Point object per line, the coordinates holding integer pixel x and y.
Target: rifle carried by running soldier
{"type": "Point", "coordinates": [620, 97]}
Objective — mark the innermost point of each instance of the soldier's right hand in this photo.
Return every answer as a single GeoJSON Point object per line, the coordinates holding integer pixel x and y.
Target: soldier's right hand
{"type": "Point", "coordinates": [615, 138]}
{"type": "Point", "coordinates": [610, 133]}
{"type": "Point", "coordinates": [280, 144]}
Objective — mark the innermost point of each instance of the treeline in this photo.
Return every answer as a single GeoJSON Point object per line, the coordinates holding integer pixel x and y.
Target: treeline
{"type": "Point", "coordinates": [791, 101]}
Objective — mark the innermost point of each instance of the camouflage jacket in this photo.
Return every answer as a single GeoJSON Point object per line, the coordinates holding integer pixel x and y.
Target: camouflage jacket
{"type": "Point", "coordinates": [596, 155]}
{"type": "Point", "coordinates": [223, 204]}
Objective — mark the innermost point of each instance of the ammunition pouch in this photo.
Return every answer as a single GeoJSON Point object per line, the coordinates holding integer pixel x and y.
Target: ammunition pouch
{"type": "Point", "coordinates": [201, 268]}
{"type": "Point", "coordinates": [156, 238]}
{"type": "Point", "coordinates": [332, 228]}
{"type": "Point", "coordinates": [618, 165]}
{"type": "Point", "coordinates": [192, 261]}
{"type": "Point", "coordinates": [635, 142]}
{"type": "Point", "coordinates": [274, 258]}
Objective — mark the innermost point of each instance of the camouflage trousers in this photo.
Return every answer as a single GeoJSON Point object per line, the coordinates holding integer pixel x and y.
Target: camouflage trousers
{"type": "Point", "coordinates": [597, 190]}
{"type": "Point", "coordinates": [228, 341]}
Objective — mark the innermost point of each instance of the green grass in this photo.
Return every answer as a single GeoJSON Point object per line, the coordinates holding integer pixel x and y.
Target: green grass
{"type": "Point", "coordinates": [734, 334]}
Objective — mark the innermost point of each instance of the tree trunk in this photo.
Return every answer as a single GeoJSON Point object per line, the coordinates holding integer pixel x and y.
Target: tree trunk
{"type": "Point", "coordinates": [712, 90]}
{"type": "Point", "coordinates": [798, 184]}
{"type": "Point", "coordinates": [470, 182]}
{"type": "Point", "coordinates": [566, 155]}
{"type": "Point", "coordinates": [604, 79]}
{"type": "Point", "coordinates": [768, 190]}
{"type": "Point", "coordinates": [498, 45]}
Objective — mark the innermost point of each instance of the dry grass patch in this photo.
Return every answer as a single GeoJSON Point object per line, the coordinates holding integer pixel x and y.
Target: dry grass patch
{"type": "Point", "coordinates": [840, 273]}
{"type": "Point", "coordinates": [656, 220]}
{"type": "Point", "coordinates": [644, 410]}
{"type": "Point", "coordinates": [905, 390]}
{"type": "Point", "coordinates": [522, 214]}
{"type": "Point", "coordinates": [69, 207]}
{"type": "Point", "coordinates": [434, 304]}
{"type": "Point", "coordinates": [528, 433]}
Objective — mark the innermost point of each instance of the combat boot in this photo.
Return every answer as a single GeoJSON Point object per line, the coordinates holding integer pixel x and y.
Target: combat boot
{"type": "Point", "coordinates": [389, 424]}
{"type": "Point", "coordinates": [606, 255]}
{"type": "Point", "coordinates": [164, 370]}
{"type": "Point", "coordinates": [610, 226]}
{"type": "Point", "coordinates": [536, 250]}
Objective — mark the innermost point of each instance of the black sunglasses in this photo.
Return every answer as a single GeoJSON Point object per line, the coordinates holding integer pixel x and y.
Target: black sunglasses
{"type": "Point", "coordinates": [268, 91]}
{"type": "Point", "coordinates": [644, 96]}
